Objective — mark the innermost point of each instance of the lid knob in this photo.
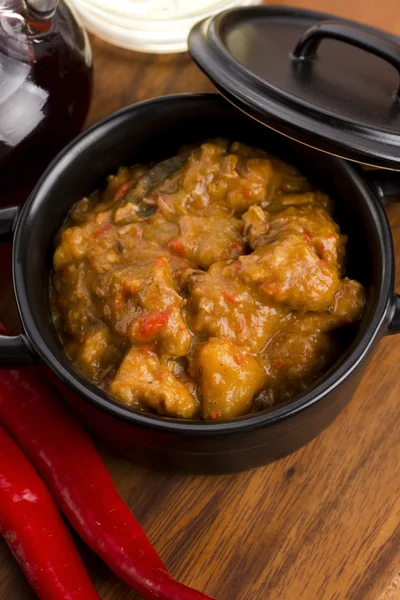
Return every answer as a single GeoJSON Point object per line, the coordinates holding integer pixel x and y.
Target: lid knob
{"type": "Point", "coordinates": [307, 46]}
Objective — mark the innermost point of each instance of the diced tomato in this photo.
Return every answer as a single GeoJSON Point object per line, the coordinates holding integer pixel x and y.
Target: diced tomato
{"type": "Point", "coordinates": [238, 359]}
{"type": "Point", "coordinates": [160, 261]}
{"type": "Point", "coordinates": [239, 247]}
{"type": "Point", "coordinates": [160, 375]}
{"type": "Point", "coordinates": [308, 237]}
{"type": "Point", "coordinates": [230, 297]}
{"type": "Point", "coordinates": [176, 246]}
{"type": "Point", "coordinates": [280, 364]}
{"type": "Point", "coordinates": [270, 288]}
{"type": "Point", "coordinates": [247, 193]}
{"type": "Point", "coordinates": [121, 191]}
{"type": "Point", "coordinates": [216, 414]}
{"type": "Point", "coordinates": [103, 229]}
{"type": "Point", "coordinates": [151, 324]}
{"type": "Point", "coordinates": [236, 267]}
{"type": "Point", "coordinates": [241, 324]}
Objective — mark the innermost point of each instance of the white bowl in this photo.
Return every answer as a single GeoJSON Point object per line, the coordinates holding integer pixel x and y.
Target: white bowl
{"type": "Point", "coordinates": [157, 26]}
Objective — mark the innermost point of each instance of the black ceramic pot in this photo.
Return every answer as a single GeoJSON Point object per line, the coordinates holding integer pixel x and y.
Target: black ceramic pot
{"type": "Point", "coordinates": [153, 130]}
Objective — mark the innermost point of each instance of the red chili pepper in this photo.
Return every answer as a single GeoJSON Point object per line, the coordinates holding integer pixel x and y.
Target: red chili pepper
{"type": "Point", "coordinates": [35, 532]}
{"type": "Point", "coordinates": [67, 460]}
{"type": "Point", "coordinates": [121, 191]}
{"type": "Point", "coordinates": [102, 229]}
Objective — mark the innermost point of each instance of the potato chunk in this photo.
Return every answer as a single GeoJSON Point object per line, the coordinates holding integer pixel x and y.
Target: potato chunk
{"type": "Point", "coordinates": [228, 378]}
{"type": "Point", "coordinates": [142, 380]}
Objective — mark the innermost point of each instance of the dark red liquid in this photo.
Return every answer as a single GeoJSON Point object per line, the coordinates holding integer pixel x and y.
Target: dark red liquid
{"type": "Point", "coordinates": [45, 87]}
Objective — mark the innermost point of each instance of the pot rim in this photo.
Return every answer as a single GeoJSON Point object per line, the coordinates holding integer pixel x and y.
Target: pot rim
{"type": "Point", "coordinates": [101, 400]}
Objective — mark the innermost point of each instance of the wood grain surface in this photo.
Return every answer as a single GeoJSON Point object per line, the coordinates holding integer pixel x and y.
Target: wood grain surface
{"type": "Point", "coordinates": [322, 524]}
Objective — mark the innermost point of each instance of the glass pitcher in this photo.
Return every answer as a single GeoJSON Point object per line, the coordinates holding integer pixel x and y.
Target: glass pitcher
{"type": "Point", "coordinates": [45, 88]}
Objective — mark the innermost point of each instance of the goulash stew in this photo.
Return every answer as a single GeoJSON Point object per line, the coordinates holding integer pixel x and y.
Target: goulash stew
{"type": "Point", "coordinates": [207, 286]}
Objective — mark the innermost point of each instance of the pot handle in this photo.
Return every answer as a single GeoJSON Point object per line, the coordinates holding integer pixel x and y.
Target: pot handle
{"type": "Point", "coordinates": [14, 349]}
{"type": "Point", "coordinates": [306, 47]}
{"type": "Point", "coordinates": [386, 186]}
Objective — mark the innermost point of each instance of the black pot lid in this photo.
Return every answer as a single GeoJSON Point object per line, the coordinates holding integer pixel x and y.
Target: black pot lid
{"type": "Point", "coordinates": [330, 83]}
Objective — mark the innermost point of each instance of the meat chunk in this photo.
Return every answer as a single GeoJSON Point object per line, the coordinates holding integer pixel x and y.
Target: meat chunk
{"type": "Point", "coordinates": [75, 301]}
{"type": "Point", "coordinates": [97, 355]}
{"type": "Point", "coordinates": [189, 190]}
{"type": "Point", "coordinates": [288, 270]}
{"type": "Point", "coordinates": [228, 378]}
{"type": "Point", "coordinates": [296, 354]}
{"type": "Point", "coordinates": [204, 240]}
{"type": "Point", "coordinates": [219, 306]}
{"type": "Point", "coordinates": [316, 226]}
{"type": "Point", "coordinates": [255, 225]}
{"type": "Point", "coordinates": [142, 381]}
{"type": "Point", "coordinates": [291, 178]}
{"type": "Point", "coordinates": [256, 183]}
{"type": "Point", "coordinates": [218, 174]}
{"type": "Point", "coordinates": [142, 304]}
{"type": "Point", "coordinates": [349, 303]}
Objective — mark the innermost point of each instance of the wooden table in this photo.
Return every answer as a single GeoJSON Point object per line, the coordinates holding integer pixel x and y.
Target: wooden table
{"type": "Point", "coordinates": [322, 524]}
